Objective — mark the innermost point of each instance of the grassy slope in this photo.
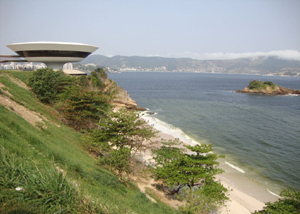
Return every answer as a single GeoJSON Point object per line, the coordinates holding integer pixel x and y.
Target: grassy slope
{"type": "Point", "coordinates": [63, 147]}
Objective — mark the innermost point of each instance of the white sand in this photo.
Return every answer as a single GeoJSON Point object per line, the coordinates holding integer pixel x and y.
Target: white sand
{"type": "Point", "coordinates": [246, 195]}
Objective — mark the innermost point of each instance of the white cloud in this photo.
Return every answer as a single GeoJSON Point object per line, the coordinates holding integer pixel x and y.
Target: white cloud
{"type": "Point", "coordinates": [285, 54]}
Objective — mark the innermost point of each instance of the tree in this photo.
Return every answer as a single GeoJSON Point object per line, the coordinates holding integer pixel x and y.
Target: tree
{"type": "Point", "coordinates": [289, 203]}
{"type": "Point", "coordinates": [118, 133]}
{"type": "Point", "coordinates": [47, 84]}
{"type": "Point", "coordinates": [175, 167]}
{"type": "Point", "coordinates": [195, 170]}
{"type": "Point", "coordinates": [81, 109]}
{"type": "Point", "coordinates": [211, 196]}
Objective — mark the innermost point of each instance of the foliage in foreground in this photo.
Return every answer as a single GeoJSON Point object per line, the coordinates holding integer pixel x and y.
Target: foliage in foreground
{"type": "Point", "coordinates": [23, 182]}
{"type": "Point", "coordinates": [193, 172]}
{"type": "Point", "coordinates": [289, 203]}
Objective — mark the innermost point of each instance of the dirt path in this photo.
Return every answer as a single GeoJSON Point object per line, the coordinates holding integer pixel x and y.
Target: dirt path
{"type": "Point", "coordinates": [149, 184]}
{"type": "Point", "coordinates": [18, 82]}
{"type": "Point", "coordinates": [30, 116]}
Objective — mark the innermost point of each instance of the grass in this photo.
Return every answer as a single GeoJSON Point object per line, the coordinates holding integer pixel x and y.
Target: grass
{"type": "Point", "coordinates": [34, 156]}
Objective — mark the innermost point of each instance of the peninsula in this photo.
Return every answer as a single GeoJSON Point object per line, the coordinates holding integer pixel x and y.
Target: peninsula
{"type": "Point", "coordinates": [267, 88]}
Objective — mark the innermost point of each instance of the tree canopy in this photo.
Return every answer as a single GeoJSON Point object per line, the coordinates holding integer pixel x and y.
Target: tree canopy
{"type": "Point", "coordinates": [119, 136]}
{"type": "Point", "coordinates": [194, 169]}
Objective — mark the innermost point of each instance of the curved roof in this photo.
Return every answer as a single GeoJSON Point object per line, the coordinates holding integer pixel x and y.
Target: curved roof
{"type": "Point", "coordinates": [58, 46]}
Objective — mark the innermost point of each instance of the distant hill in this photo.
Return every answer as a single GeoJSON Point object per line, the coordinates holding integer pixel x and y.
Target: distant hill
{"type": "Point", "coordinates": [259, 65]}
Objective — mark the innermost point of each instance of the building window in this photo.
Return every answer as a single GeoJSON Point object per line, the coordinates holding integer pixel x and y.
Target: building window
{"type": "Point", "coordinates": [53, 53]}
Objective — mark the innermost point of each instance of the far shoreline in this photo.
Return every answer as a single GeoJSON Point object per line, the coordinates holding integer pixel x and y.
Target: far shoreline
{"type": "Point", "coordinates": [215, 73]}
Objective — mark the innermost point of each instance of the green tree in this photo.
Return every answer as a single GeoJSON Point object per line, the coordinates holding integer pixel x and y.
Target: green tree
{"type": "Point", "coordinates": [175, 167]}
{"type": "Point", "coordinates": [97, 78]}
{"type": "Point", "coordinates": [195, 170]}
{"type": "Point", "coordinates": [289, 203]}
{"type": "Point", "coordinates": [118, 133]}
{"type": "Point", "coordinates": [117, 159]}
{"type": "Point", "coordinates": [211, 196]}
{"type": "Point", "coordinates": [47, 84]}
{"type": "Point", "coordinates": [81, 109]}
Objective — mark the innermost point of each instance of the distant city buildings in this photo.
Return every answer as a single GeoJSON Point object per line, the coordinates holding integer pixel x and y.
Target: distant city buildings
{"type": "Point", "coordinates": [68, 66]}
{"type": "Point", "coordinates": [27, 66]}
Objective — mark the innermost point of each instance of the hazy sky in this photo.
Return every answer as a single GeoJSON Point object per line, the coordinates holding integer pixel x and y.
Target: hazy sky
{"type": "Point", "coordinates": [200, 29]}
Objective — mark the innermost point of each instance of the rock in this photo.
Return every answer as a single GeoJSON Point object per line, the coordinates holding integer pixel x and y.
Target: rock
{"type": "Point", "coordinates": [122, 99]}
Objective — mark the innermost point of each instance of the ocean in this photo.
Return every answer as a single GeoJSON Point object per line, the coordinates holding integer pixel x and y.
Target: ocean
{"type": "Point", "coordinates": [259, 135]}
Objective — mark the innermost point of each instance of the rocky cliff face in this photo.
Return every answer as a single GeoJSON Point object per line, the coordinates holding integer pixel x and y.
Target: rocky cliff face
{"type": "Point", "coordinates": [121, 97]}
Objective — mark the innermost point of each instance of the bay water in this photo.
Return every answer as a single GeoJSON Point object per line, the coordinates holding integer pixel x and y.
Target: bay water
{"type": "Point", "coordinates": [258, 134]}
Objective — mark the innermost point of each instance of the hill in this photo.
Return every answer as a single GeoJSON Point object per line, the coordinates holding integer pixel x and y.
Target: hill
{"type": "Point", "coordinates": [45, 167]}
{"type": "Point", "coordinates": [259, 65]}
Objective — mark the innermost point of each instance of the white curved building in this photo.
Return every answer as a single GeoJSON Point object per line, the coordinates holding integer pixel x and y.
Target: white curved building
{"type": "Point", "coordinates": [53, 54]}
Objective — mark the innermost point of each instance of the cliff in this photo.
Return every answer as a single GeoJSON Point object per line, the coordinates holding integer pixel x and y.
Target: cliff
{"type": "Point", "coordinates": [267, 88]}
{"type": "Point", "coordinates": [120, 97]}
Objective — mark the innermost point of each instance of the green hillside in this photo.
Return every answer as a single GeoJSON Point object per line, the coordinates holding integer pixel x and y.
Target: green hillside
{"type": "Point", "coordinates": [44, 166]}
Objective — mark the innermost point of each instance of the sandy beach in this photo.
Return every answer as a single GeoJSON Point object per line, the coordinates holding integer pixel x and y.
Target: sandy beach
{"type": "Point", "coordinates": [246, 196]}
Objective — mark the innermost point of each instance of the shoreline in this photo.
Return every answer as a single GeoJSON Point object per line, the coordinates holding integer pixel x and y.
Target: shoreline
{"type": "Point", "coordinates": [246, 196]}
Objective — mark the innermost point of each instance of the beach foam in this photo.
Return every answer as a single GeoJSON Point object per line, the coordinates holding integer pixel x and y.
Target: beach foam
{"type": "Point", "coordinates": [168, 129]}
{"type": "Point", "coordinates": [274, 193]}
{"type": "Point", "coordinates": [235, 167]}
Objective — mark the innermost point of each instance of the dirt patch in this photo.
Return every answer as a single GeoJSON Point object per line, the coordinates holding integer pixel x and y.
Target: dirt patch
{"type": "Point", "coordinates": [149, 185]}
{"type": "Point", "coordinates": [30, 116]}
{"type": "Point", "coordinates": [18, 82]}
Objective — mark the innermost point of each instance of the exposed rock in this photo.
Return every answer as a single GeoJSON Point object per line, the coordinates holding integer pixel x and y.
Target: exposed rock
{"type": "Point", "coordinates": [121, 97]}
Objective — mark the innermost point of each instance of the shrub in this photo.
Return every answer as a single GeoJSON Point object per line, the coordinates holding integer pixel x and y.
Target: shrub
{"type": "Point", "coordinates": [257, 85]}
{"type": "Point", "coordinates": [288, 203]}
{"type": "Point", "coordinates": [81, 109]}
{"type": "Point", "coordinates": [47, 84]}
{"type": "Point", "coordinates": [271, 84]}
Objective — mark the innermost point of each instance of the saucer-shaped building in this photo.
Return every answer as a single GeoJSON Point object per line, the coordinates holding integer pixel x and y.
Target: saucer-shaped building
{"type": "Point", "coordinates": [53, 54]}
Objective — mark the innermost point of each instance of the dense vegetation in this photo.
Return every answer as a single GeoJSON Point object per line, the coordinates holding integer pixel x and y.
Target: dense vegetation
{"type": "Point", "coordinates": [258, 85]}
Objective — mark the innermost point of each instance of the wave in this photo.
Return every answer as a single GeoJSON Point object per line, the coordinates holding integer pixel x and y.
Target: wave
{"type": "Point", "coordinates": [168, 128]}
{"type": "Point", "coordinates": [274, 194]}
{"type": "Point", "coordinates": [292, 95]}
{"type": "Point", "coordinates": [235, 167]}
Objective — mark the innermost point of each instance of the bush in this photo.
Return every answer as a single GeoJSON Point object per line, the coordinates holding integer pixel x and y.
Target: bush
{"type": "Point", "coordinates": [271, 84]}
{"type": "Point", "coordinates": [47, 84]}
{"type": "Point", "coordinates": [258, 85]}
{"type": "Point", "coordinates": [81, 109]}
{"type": "Point", "coordinates": [289, 203]}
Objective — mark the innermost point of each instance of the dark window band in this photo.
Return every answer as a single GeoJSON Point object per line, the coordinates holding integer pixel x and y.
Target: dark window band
{"type": "Point", "coordinates": [50, 53]}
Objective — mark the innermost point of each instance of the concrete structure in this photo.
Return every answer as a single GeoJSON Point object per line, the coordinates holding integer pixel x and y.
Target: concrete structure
{"type": "Point", "coordinates": [53, 54]}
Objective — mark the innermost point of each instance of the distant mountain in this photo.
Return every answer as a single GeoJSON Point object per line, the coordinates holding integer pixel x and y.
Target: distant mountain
{"type": "Point", "coordinates": [259, 65]}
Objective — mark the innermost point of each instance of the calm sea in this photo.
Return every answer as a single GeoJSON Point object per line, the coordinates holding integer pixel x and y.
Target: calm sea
{"type": "Point", "coordinates": [259, 135]}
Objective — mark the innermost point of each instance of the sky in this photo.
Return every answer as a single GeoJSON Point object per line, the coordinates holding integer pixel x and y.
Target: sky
{"type": "Point", "coordinates": [200, 29]}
